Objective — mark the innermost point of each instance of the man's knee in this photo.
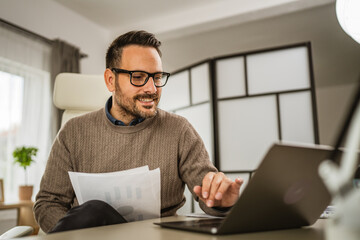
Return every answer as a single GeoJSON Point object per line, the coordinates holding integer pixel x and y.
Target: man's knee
{"type": "Point", "coordinates": [97, 207]}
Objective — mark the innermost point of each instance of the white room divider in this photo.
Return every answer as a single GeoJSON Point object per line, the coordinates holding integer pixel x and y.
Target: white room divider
{"type": "Point", "coordinates": [243, 103]}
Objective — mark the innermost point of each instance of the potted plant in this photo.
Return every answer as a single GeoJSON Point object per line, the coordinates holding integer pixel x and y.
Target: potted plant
{"type": "Point", "coordinates": [24, 157]}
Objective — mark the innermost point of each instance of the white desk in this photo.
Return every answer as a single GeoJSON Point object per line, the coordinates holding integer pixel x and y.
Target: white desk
{"type": "Point", "coordinates": [147, 230]}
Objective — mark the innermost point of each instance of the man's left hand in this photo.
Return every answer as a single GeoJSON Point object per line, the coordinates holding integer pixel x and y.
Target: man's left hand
{"type": "Point", "coordinates": [217, 190]}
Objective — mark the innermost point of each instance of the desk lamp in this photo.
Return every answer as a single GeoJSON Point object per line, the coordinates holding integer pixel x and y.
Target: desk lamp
{"type": "Point", "coordinates": [345, 224]}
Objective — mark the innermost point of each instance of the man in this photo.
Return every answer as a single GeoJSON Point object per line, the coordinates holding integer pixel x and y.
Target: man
{"type": "Point", "coordinates": [130, 132]}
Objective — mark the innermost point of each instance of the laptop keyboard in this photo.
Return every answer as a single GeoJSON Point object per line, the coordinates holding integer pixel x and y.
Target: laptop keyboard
{"type": "Point", "coordinates": [209, 223]}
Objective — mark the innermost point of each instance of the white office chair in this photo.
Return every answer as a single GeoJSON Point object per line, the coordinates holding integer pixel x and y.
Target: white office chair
{"type": "Point", "coordinates": [78, 94]}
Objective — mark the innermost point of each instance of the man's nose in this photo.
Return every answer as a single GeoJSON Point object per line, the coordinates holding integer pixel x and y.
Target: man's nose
{"type": "Point", "coordinates": [150, 86]}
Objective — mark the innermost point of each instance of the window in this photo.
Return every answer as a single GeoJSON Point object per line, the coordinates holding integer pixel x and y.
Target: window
{"type": "Point", "coordinates": [25, 107]}
{"type": "Point", "coordinates": [11, 99]}
{"type": "Point", "coordinates": [11, 96]}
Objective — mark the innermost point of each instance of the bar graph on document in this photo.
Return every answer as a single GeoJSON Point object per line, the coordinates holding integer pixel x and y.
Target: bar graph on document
{"type": "Point", "coordinates": [136, 196]}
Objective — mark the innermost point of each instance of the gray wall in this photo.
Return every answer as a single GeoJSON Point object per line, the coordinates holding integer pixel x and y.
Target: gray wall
{"type": "Point", "coordinates": [336, 57]}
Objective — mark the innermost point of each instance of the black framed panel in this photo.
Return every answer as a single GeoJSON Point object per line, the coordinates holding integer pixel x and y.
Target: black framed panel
{"type": "Point", "coordinates": [176, 92]}
{"type": "Point", "coordinates": [294, 55]}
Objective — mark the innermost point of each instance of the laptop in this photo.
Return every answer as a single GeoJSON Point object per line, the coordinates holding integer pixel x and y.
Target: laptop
{"type": "Point", "coordinates": [285, 192]}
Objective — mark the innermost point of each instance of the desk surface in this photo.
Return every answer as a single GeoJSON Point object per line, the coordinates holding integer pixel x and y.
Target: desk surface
{"type": "Point", "coordinates": [147, 230]}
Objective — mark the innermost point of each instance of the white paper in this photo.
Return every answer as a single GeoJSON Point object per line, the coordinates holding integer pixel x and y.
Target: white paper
{"type": "Point", "coordinates": [134, 193]}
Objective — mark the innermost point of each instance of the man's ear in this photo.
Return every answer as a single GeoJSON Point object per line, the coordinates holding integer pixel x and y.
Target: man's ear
{"type": "Point", "coordinates": [109, 78]}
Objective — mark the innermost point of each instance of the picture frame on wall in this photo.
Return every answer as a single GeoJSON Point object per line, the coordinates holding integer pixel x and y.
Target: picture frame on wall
{"type": "Point", "coordinates": [2, 195]}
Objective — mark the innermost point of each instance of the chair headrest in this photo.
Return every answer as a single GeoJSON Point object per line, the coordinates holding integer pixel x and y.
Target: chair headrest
{"type": "Point", "coordinates": [74, 91]}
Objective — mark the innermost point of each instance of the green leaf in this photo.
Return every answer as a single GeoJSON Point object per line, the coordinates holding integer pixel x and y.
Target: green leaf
{"type": "Point", "coordinates": [24, 156]}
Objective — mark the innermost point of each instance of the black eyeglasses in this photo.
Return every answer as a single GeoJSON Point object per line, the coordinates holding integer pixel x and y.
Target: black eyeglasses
{"type": "Point", "coordinates": [140, 78]}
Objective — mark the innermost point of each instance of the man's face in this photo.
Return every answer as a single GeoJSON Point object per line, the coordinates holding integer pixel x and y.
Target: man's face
{"type": "Point", "coordinates": [130, 101]}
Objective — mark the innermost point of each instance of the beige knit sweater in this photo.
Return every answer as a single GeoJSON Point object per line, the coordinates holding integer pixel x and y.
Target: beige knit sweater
{"type": "Point", "coordinates": [92, 144]}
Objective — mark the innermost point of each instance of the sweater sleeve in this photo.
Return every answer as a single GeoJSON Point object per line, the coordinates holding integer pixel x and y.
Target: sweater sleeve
{"type": "Point", "coordinates": [56, 194]}
{"type": "Point", "coordinates": [194, 164]}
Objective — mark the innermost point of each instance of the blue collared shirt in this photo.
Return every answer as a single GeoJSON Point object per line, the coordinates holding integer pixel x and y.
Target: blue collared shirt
{"type": "Point", "coordinates": [108, 106]}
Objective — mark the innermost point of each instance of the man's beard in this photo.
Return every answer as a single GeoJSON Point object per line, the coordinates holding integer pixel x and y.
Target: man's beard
{"type": "Point", "coordinates": [129, 107]}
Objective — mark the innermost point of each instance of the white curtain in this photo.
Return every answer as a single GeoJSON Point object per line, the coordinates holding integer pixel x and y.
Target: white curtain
{"type": "Point", "coordinates": [29, 59]}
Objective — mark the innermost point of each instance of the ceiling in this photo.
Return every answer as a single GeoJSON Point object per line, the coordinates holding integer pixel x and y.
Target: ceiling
{"type": "Point", "coordinates": [174, 18]}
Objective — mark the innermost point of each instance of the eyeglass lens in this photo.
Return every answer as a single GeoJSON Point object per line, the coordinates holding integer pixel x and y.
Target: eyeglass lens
{"type": "Point", "coordinates": [139, 78]}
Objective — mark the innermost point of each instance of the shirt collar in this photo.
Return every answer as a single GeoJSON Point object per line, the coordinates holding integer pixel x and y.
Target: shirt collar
{"type": "Point", "coordinates": [108, 106]}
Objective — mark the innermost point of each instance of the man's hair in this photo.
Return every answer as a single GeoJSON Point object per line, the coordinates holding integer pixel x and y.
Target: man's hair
{"type": "Point", "coordinates": [141, 38]}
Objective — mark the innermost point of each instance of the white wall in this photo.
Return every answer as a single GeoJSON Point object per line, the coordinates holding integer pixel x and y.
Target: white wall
{"type": "Point", "coordinates": [336, 57]}
{"type": "Point", "coordinates": [52, 20]}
